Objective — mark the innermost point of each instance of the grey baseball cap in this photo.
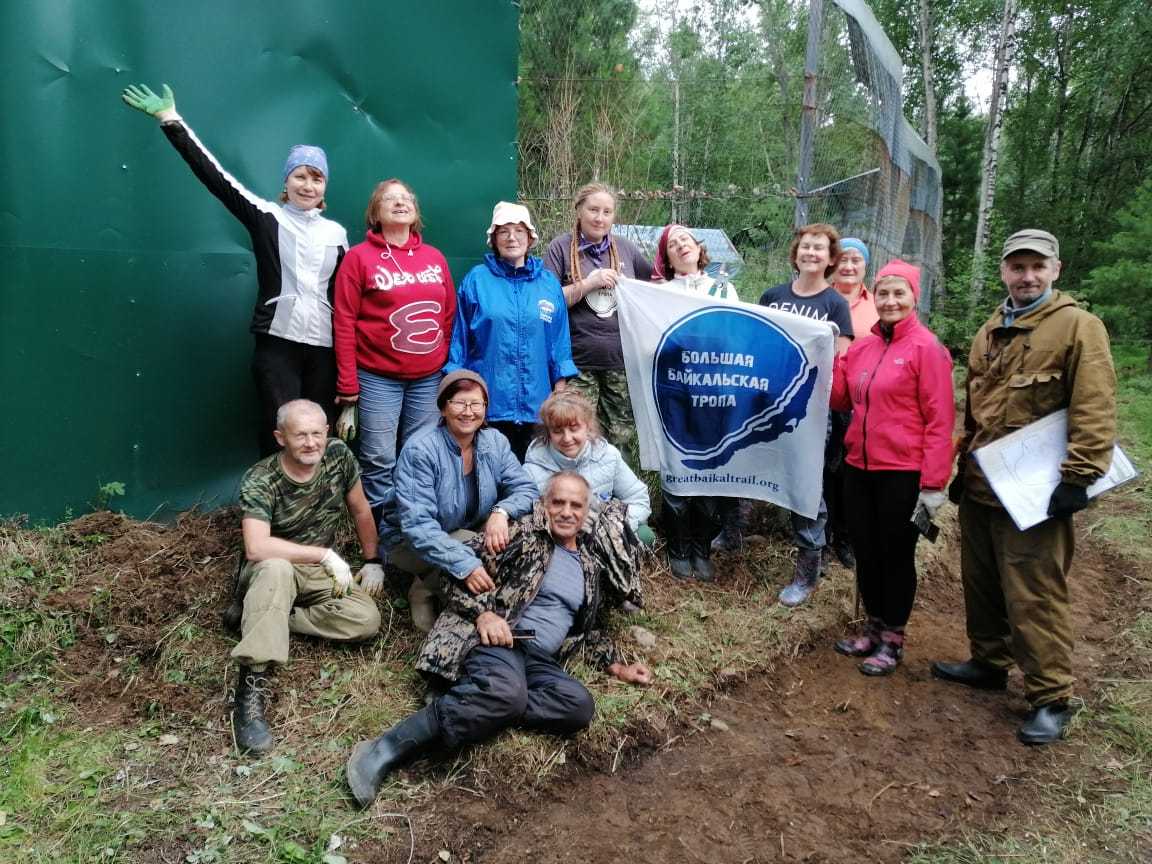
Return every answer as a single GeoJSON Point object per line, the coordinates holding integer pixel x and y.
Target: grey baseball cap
{"type": "Point", "coordinates": [1032, 240]}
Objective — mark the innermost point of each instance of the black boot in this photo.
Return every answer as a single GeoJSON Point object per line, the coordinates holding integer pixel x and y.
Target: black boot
{"type": "Point", "coordinates": [971, 673]}
{"type": "Point", "coordinates": [372, 761]}
{"type": "Point", "coordinates": [676, 543]}
{"type": "Point", "coordinates": [1045, 724]}
{"type": "Point", "coordinates": [249, 727]}
{"type": "Point", "coordinates": [702, 561]}
{"type": "Point", "coordinates": [234, 614]}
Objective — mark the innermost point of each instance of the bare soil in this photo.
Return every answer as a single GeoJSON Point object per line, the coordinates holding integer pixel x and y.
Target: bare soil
{"type": "Point", "coordinates": [813, 762]}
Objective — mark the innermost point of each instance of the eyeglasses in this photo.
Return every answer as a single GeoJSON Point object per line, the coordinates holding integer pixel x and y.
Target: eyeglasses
{"type": "Point", "coordinates": [397, 198]}
{"type": "Point", "coordinates": [475, 406]}
{"type": "Point", "coordinates": [509, 233]}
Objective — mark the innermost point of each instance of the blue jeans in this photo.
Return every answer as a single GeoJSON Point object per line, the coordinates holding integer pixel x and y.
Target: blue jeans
{"type": "Point", "coordinates": [391, 412]}
{"type": "Point", "coordinates": [809, 533]}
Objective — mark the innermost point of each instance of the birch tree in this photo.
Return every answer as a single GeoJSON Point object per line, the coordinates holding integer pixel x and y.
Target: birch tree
{"type": "Point", "coordinates": [1002, 65]}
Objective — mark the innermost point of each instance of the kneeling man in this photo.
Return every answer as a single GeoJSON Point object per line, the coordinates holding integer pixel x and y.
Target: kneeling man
{"type": "Point", "coordinates": [292, 504]}
{"type": "Point", "coordinates": [502, 650]}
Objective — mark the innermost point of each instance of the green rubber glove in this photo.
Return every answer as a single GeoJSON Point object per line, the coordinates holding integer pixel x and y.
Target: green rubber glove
{"type": "Point", "coordinates": [140, 97]}
{"type": "Point", "coordinates": [645, 534]}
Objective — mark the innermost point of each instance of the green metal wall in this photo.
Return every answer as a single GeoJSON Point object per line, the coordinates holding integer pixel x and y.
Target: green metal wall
{"type": "Point", "coordinates": [127, 288]}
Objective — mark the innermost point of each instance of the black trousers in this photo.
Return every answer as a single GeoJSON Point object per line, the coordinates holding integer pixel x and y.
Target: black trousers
{"type": "Point", "coordinates": [691, 522]}
{"type": "Point", "coordinates": [834, 466]}
{"type": "Point", "coordinates": [879, 506]}
{"type": "Point", "coordinates": [519, 435]}
{"type": "Point", "coordinates": [284, 370]}
{"type": "Point", "coordinates": [502, 687]}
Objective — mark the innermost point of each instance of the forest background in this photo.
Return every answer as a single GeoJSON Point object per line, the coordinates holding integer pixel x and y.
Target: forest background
{"type": "Point", "coordinates": [693, 109]}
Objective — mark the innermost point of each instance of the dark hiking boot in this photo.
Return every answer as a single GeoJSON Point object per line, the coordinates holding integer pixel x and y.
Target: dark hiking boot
{"type": "Point", "coordinates": [1045, 724]}
{"type": "Point", "coordinates": [807, 574]}
{"type": "Point", "coordinates": [372, 761]}
{"type": "Point", "coordinates": [971, 673]}
{"type": "Point", "coordinates": [886, 657]}
{"type": "Point", "coordinates": [862, 645]}
{"type": "Point", "coordinates": [234, 615]}
{"type": "Point", "coordinates": [249, 728]}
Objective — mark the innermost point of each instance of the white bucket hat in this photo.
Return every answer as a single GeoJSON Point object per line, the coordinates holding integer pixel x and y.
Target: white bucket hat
{"type": "Point", "coordinates": [507, 213]}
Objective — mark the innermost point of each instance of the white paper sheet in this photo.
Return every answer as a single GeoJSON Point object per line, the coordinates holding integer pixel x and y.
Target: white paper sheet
{"type": "Point", "coordinates": [1023, 468]}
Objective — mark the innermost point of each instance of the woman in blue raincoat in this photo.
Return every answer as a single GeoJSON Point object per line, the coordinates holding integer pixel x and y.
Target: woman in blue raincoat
{"type": "Point", "coordinates": [512, 327]}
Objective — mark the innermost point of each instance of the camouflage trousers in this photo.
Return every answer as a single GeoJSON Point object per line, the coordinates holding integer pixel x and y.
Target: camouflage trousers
{"type": "Point", "coordinates": [608, 391]}
{"type": "Point", "coordinates": [282, 597]}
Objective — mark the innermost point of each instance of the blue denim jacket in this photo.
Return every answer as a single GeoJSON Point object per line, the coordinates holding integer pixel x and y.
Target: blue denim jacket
{"type": "Point", "coordinates": [431, 500]}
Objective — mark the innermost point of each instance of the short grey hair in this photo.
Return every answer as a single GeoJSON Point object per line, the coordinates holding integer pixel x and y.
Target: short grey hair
{"type": "Point", "coordinates": [567, 475]}
{"type": "Point", "coordinates": [297, 406]}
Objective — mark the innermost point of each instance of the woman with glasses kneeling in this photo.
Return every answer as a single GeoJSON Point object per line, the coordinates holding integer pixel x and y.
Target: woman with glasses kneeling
{"type": "Point", "coordinates": [452, 482]}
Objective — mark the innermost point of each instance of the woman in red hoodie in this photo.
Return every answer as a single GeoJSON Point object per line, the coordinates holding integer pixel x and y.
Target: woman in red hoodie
{"type": "Point", "coordinates": [897, 381]}
{"type": "Point", "coordinates": [394, 308]}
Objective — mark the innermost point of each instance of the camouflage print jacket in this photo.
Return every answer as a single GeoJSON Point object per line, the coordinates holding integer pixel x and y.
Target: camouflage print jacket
{"type": "Point", "coordinates": [608, 551]}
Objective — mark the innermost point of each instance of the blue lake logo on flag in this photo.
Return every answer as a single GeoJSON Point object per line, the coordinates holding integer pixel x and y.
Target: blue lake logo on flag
{"type": "Point", "coordinates": [725, 379]}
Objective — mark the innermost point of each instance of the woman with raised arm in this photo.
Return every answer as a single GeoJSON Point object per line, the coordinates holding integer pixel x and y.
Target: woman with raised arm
{"type": "Point", "coordinates": [588, 261]}
{"type": "Point", "coordinates": [395, 303]}
{"type": "Point", "coordinates": [297, 254]}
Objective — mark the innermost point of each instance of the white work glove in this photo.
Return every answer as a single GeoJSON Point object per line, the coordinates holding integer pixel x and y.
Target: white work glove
{"type": "Point", "coordinates": [346, 423]}
{"type": "Point", "coordinates": [340, 572]}
{"type": "Point", "coordinates": [371, 578]}
{"type": "Point", "coordinates": [932, 499]}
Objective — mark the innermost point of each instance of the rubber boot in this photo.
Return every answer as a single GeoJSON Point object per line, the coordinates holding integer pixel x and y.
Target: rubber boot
{"type": "Point", "coordinates": [864, 644]}
{"type": "Point", "coordinates": [372, 761]}
{"type": "Point", "coordinates": [422, 604]}
{"type": "Point", "coordinates": [887, 656]}
{"type": "Point", "coordinates": [249, 728]}
{"type": "Point", "coordinates": [702, 567]}
{"type": "Point", "coordinates": [676, 543]}
{"type": "Point", "coordinates": [734, 517]}
{"type": "Point", "coordinates": [809, 563]}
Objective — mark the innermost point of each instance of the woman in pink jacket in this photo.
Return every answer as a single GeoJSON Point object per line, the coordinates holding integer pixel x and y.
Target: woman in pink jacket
{"type": "Point", "coordinates": [897, 381]}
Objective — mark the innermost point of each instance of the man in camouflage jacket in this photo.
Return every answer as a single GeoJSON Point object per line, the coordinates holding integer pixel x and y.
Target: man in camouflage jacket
{"type": "Point", "coordinates": [553, 584]}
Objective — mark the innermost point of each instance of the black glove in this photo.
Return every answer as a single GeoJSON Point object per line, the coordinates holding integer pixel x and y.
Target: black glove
{"type": "Point", "coordinates": [1067, 498]}
{"type": "Point", "coordinates": [956, 487]}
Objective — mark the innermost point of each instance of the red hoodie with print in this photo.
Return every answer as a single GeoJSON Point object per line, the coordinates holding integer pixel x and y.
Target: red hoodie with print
{"type": "Point", "coordinates": [393, 314]}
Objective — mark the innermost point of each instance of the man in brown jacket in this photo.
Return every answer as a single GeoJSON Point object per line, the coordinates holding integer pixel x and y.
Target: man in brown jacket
{"type": "Point", "coordinates": [1037, 354]}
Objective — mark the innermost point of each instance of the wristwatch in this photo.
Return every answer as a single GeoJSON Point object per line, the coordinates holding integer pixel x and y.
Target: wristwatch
{"type": "Point", "coordinates": [500, 510]}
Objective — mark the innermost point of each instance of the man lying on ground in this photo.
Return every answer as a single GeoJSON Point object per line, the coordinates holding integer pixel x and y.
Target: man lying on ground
{"type": "Point", "coordinates": [502, 650]}
{"type": "Point", "coordinates": [294, 581]}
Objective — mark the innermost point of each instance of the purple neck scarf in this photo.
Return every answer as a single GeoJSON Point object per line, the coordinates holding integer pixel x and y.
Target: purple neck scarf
{"type": "Point", "coordinates": [593, 250]}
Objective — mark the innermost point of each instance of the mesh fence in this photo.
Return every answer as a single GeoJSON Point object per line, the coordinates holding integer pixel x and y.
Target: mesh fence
{"type": "Point", "coordinates": [694, 114]}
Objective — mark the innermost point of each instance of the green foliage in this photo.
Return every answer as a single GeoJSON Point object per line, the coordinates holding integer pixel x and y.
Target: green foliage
{"type": "Point", "coordinates": [106, 493]}
{"type": "Point", "coordinates": [1078, 130]}
{"type": "Point", "coordinates": [1120, 287]}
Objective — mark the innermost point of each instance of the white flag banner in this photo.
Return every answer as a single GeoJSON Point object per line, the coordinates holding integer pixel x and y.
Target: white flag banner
{"type": "Point", "coordinates": [730, 398]}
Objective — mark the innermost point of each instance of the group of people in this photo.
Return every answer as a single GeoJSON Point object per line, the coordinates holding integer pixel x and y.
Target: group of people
{"type": "Point", "coordinates": [495, 433]}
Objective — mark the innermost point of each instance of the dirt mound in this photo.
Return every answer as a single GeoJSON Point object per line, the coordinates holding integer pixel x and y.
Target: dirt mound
{"type": "Point", "coordinates": [140, 592]}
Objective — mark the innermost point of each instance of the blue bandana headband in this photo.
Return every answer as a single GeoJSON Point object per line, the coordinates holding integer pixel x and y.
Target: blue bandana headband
{"type": "Point", "coordinates": [306, 154]}
{"type": "Point", "coordinates": [858, 245]}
